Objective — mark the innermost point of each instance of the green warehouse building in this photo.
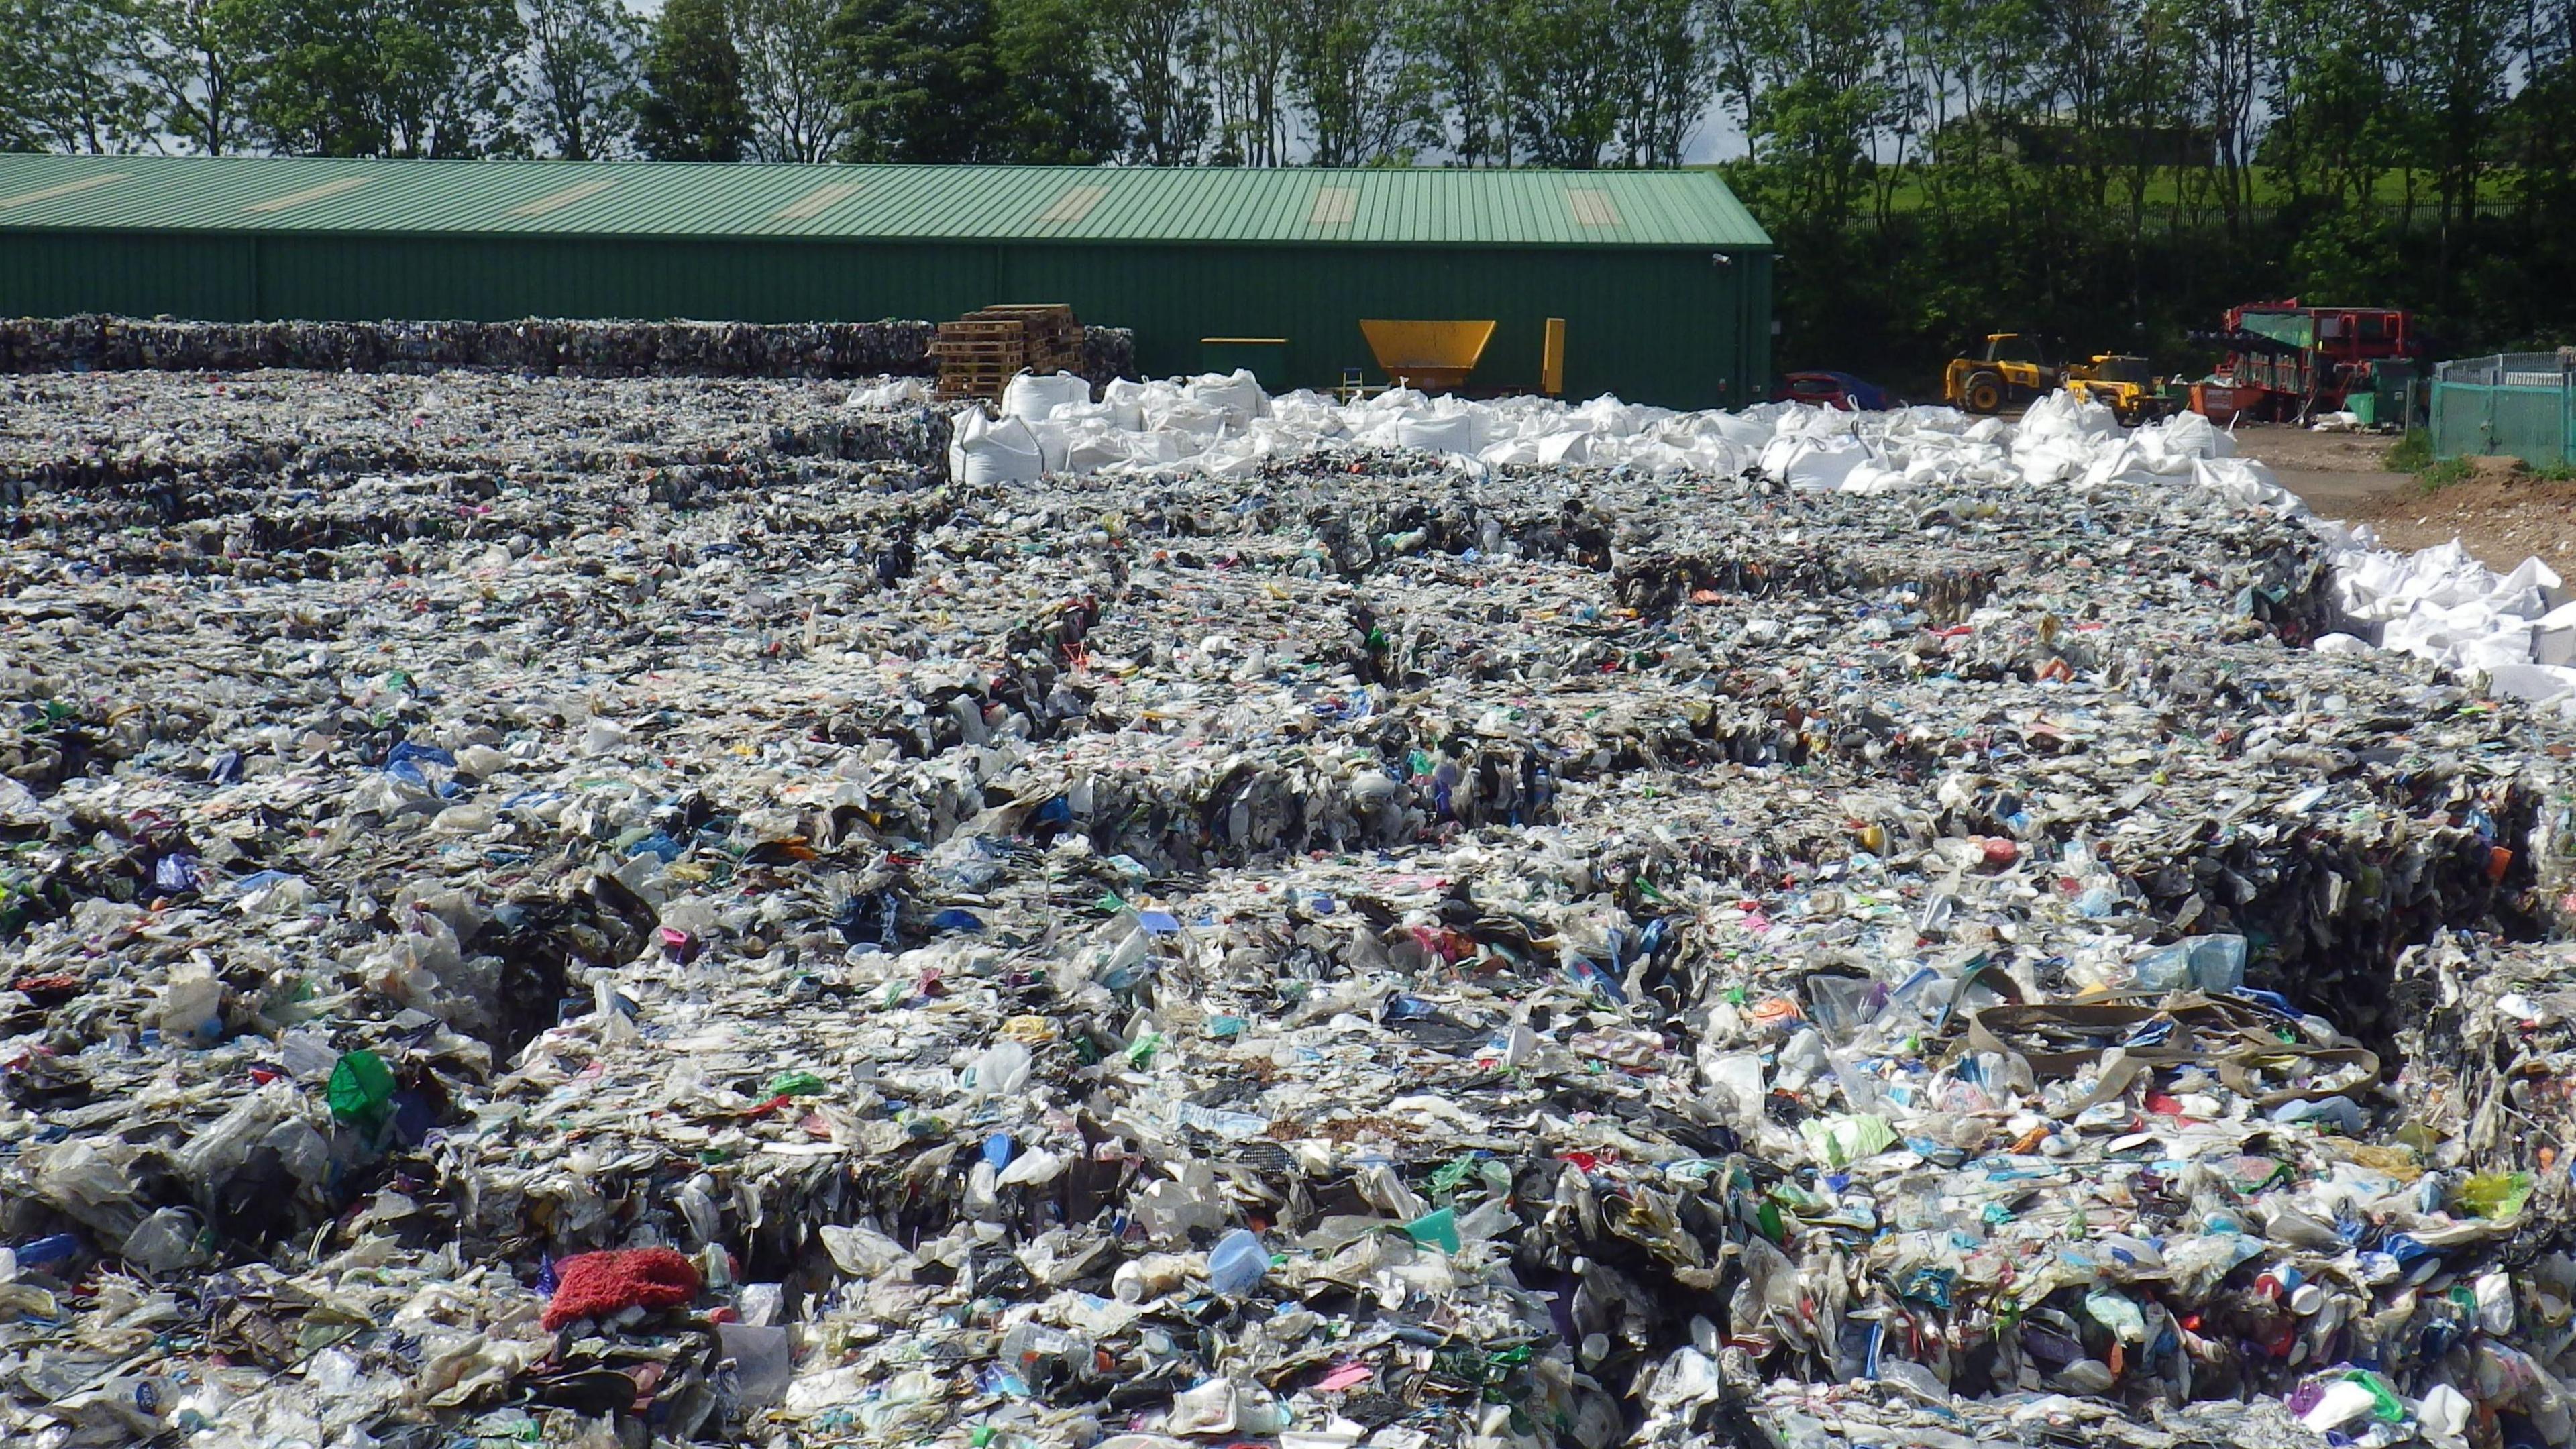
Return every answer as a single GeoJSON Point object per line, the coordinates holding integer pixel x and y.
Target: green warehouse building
{"type": "Point", "coordinates": [1663, 278]}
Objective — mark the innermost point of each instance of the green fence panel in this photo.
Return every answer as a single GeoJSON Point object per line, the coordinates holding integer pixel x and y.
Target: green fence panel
{"type": "Point", "coordinates": [2514, 405]}
{"type": "Point", "coordinates": [2531, 424]}
{"type": "Point", "coordinates": [2459, 420]}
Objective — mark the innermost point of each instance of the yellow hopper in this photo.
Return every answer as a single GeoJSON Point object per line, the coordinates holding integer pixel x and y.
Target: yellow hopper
{"type": "Point", "coordinates": [1432, 356]}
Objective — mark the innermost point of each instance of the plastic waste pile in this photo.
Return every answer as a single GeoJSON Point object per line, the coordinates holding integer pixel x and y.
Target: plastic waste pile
{"type": "Point", "coordinates": [538, 911]}
{"type": "Point", "coordinates": [2437, 603]}
{"type": "Point", "coordinates": [536, 346]}
{"type": "Point", "coordinates": [274, 473]}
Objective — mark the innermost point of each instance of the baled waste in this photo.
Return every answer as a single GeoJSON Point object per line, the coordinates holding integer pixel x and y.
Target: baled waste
{"type": "Point", "coordinates": [574, 913]}
{"type": "Point", "coordinates": [535, 346]}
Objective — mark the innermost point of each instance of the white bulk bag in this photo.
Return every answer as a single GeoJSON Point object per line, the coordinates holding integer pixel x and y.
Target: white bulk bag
{"type": "Point", "coordinates": [1034, 399]}
{"type": "Point", "coordinates": [1453, 434]}
{"type": "Point", "coordinates": [981, 450]}
{"type": "Point", "coordinates": [1238, 395]}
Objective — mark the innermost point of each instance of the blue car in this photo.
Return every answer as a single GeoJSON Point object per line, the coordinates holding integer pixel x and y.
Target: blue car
{"type": "Point", "coordinates": [1835, 390]}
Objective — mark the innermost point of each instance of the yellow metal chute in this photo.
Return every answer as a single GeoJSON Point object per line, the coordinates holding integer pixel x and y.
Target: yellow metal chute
{"type": "Point", "coordinates": [1432, 356]}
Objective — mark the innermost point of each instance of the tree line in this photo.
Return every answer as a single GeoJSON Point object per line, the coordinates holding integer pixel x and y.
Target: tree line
{"type": "Point", "coordinates": [2120, 172]}
{"type": "Point", "coordinates": [1579, 83]}
{"type": "Point", "coordinates": [2117, 171]}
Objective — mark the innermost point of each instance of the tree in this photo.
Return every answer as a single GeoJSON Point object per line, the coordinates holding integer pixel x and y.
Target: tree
{"type": "Point", "coordinates": [692, 106]}
{"type": "Point", "coordinates": [1061, 108]}
{"type": "Point", "coordinates": [1562, 68]}
{"type": "Point", "coordinates": [1004, 81]}
{"type": "Point", "coordinates": [313, 87]}
{"type": "Point", "coordinates": [2457, 73]}
{"type": "Point", "coordinates": [1364, 96]}
{"type": "Point", "coordinates": [1667, 77]}
{"type": "Point", "coordinates": [1463, 50]}
{"type": "Point", "coordinates": [1250, 42]}
{"type": "Point", "coordinates": [196, 57]}
{"type": "Point", "coordinates": [2145, 122]}
{"type": "Point", "coordinates": [1816, 88]}
{"type": "Point", "coordinates": [65, 83]}
{"type": "Point", "coordinates": [1157, 53]}
{"type": "Point", "coordinates": [2223, 43]}
{"type": "Point", "coordinates": [791, 81]}
{"type": "Point", "coordinates": [579, 77]}
{"type": "Point", "coordinates": [384, 77]}
{"type": "Point", "coordinates": [922, 81]}
{"type": "Point", "coordinates": [2336, 116]}
{"type": "Point", "coordinates": [2539, 139]}
{"type": "Point", "coordinates": [444, 85]}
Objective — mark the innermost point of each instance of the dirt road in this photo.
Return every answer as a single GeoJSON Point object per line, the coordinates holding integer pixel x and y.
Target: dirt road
{"type": "Point", "coordinates": [2501, 518]}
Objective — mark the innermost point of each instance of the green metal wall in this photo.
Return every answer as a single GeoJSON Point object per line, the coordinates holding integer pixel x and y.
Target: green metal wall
{"type": "Point", "coordinates": [1673, 327]}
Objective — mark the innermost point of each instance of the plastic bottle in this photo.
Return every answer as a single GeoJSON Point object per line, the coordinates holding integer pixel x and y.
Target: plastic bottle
{"type": "Point", "coordinates": [192, 1007]}
{"type": "Point", "coordinates": [361, 1088]}
{"type": "Point", "coordinates": [2165, 968]}
{"type": "Point", "coordinates": [149, 1395]}
{"type": "Point", "coordinates": [48, 1251]}
{"type": "Point", "coordinates": [307, 1055]}
{"type": "Point", "coordinates": [2218, 963]}
{"type": "Point", "coordinates": [1002, 1070]}
{"type": "Point", "coordinates": [1236, 1264]}
{"type": "Point", "coordinates": [763, 1361]}
{"type": "Point", "coordinates": [216, 1152]}
{"type": "Point", "coordinates": [1027, 1345]}
{"type": "Point", "coordinates": [164, 1242]}
{"type": "Point", "coordinates": [1148, 1277]}
{"type": "Point", "coordinates": [305, 1153]}
{"type": "Point", "coordinates": [2494, 1296]}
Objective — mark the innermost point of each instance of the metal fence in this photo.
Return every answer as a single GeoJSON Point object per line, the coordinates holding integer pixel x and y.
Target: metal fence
{"type": "Point", "coordinates": [2515, 404]}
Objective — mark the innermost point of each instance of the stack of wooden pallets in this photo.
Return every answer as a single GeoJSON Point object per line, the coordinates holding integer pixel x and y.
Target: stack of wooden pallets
{"type": "Point", "coordinates": [982, 351]}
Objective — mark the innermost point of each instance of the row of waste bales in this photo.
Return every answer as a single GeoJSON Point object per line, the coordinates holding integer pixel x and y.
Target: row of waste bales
{"type": "Point", "coordinates": [537, 346]}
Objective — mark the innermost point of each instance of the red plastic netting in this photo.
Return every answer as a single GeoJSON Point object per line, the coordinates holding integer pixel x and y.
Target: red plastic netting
{"type": "Point", "coordinates": [593, 1285]}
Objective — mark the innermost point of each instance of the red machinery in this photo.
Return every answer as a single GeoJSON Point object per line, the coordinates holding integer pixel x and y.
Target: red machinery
{"type": "Point", "coordinates": [2287, 362]}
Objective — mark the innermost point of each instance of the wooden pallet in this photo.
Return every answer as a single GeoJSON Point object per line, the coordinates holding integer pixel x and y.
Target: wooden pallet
{"type": "Point", "coordinates": [1054, 335]}
{"type": "Point", "coordinates": [981, 381]}
{"type": "Point", "coordinates": [979, 353]}
{"type": "Point", "coordinates": [1049, 320]}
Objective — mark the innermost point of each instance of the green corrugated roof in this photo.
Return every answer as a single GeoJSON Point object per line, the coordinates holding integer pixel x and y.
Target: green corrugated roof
{"type": "Point", "coordinates": [962, 203]}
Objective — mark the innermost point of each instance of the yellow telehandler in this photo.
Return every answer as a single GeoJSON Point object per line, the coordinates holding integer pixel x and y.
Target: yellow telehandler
{"type": "Point", "coordinates": [2015, 368]}
{"type": "Point", "coordinates": [2124, 383]}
